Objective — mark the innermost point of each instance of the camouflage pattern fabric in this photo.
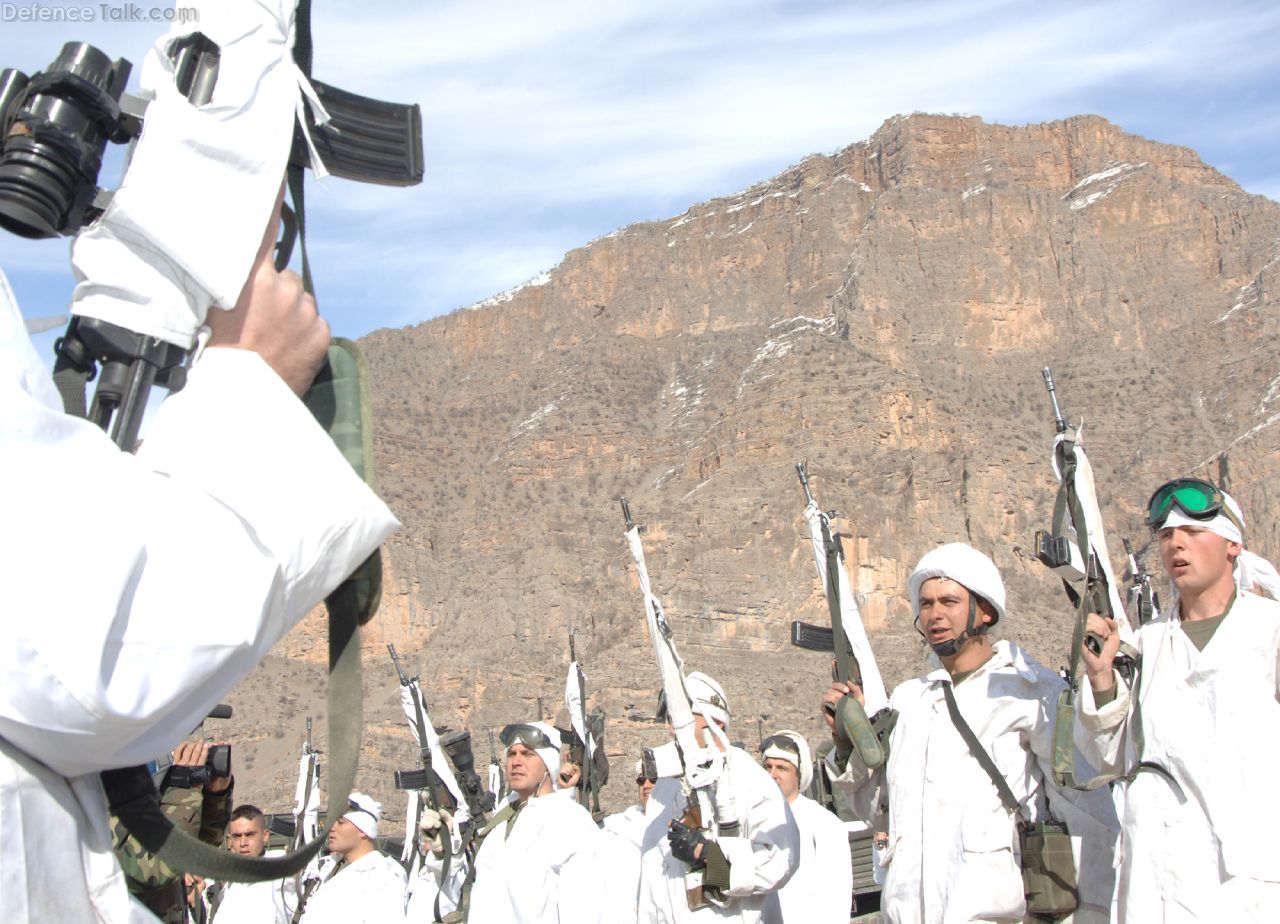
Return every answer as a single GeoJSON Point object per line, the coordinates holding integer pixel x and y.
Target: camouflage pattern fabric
{"type": "Point", "coordinates": [198, 813]}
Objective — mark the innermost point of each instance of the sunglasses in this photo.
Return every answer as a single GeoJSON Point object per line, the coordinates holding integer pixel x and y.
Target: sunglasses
{"type": "Point", "coordinates": [1200, 500]}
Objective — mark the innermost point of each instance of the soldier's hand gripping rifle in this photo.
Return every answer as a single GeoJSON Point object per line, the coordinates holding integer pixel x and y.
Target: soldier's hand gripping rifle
{"type": "Point", "coordinates": [855, 663]}
{"type": "Point", "coordinates": [1076, 550]}
{"type": "Point", "coordinates": [709, 807]}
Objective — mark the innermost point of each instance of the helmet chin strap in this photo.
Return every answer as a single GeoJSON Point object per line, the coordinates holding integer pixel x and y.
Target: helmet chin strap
{"type": "Point", "coordinates": [948, 648]}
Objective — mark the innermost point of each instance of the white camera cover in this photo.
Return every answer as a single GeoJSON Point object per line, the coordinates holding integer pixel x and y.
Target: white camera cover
{"type": "Point", "coordinates": [182, 231]}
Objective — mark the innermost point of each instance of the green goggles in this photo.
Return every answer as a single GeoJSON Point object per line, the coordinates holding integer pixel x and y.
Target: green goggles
{"type": "Point", "coordinates": [1200, 500]}
{"type": "Point", "coordinates": [530, 736]}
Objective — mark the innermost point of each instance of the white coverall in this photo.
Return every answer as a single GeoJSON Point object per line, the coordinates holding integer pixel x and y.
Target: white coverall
{"type": "Point", "coordinates": [619, 861]}
{"type": "Point", "coordinates": [1203, 850]}
{"type": "Point", "coordinates": [368, 891]}
{"type": "Point", "coordinates": [628, 824]}
{"type": "Point", "coordinates": [140, 590]}
{"type": "Point", "coordinates": [254, 903]}
{"type": "Point", "coordinates": [953, 850]}
{"type": "Point", "coordinates": [821, 891]}
{"type": "Point", "coordinates": [760, 860]}
{"type": "Point", "coordinates": [541, 869]}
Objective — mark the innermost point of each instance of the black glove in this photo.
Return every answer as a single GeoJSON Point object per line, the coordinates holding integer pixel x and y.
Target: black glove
{"type": "Point", "coordinates": [685, 842]}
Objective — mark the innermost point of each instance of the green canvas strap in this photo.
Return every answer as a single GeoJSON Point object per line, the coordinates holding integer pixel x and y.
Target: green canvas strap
{"type": "Point", "coordinates": [1007, 798]}
{"type": "Point", "coordinates": [341, 404]}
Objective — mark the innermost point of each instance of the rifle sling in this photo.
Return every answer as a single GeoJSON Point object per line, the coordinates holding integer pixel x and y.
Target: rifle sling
{"type": "Point", "coordinates": [1007, 798]}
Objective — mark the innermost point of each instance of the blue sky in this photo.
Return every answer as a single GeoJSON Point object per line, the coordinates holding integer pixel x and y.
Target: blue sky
{"type": "Point", "coordinates": [550, 123]}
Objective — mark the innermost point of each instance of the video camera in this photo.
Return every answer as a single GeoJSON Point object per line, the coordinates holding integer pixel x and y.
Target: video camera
{"type": "Point", "coordinates": [56, 125]}
{"type": "Point", "coordinates": [216, 766]}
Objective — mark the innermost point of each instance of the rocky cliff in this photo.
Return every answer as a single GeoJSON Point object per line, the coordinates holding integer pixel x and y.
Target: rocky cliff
{"type": "Point", "coordinates": [882, 313]}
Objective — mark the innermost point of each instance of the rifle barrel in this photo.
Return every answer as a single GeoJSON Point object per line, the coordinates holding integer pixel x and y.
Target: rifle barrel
{"type": "Point", "coordinates": [1059, 421]}
{"type": "Point", "coordinates": [804, 481]}
{"type": "Point", "coordinates": [395, 659]}
{"type": "Point", "coordinates": [626, 515]}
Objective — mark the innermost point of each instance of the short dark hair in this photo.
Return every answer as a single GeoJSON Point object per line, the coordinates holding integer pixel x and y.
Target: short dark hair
{"type": "Point", "coordinates": [252, 812]}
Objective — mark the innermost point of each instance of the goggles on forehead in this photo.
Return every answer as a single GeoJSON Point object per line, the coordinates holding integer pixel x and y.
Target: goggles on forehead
{"type": "Point", "coordinates": [782, 742]}
{"type": "Point", "coordinates": [529, 735]}
{"type": "Point", "coordinates": [353, 806]}
{"type": "Point", "coordinates": [1200, 500]}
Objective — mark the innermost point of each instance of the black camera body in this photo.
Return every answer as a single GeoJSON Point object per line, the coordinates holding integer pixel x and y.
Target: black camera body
{"type": "Point", "coordinates": [56, 124]}
{"type": "Point", "coordinates": [217, 765]}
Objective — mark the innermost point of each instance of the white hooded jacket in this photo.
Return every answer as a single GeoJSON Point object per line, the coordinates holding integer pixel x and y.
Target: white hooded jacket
{"type": "Point", "coordinates": [1202, 847]}
{"type": "Point", "coordinates": [761, 859]}
{"type": "Point", "coordinates": [953, 850]}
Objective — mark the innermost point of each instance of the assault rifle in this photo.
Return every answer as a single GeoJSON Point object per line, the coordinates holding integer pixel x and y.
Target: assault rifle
{"type": "Point", "coordinates": [1075, 548]}
{"type": "Point", "coordinates": [854, 661]}
{"type": "Point", "coordinates": [1143, 600]}
{"type": "Point", "coordinates": [497, 780]}
{"type": "Point", "coordinates": [445, 793]}
{"type": "Point", "coordinates": [589, 755]}
{"type": "Point", "coordinates": [700, 768]}
{"type": "Point", "coordinates": [424, 779]}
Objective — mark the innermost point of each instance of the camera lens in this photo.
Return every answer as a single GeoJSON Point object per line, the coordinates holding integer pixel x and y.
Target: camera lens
{"type": "Point", "coordinates": [56, 127]}
{"type": "Point", "coordinates": [458, 746]}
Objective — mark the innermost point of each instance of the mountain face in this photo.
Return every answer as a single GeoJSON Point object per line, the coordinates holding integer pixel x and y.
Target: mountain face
{"type": "Point", "coordinates": [882, 313]}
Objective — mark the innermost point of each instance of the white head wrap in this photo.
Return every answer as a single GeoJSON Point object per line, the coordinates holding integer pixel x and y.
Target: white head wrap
{"type": "Point", "coordinates": [365, 814]}
{"type": "Point", "coordinates": [707, 697]}
{"type": "Point", "coordinates": [550, 755]}
{"type": "Point", "coordinates": [966, 566]}
{"type": "Point", "coordinates": [806, 759]}
{"type": "Point", "coordinates": [1221, 524]}
{"type": "Point", "coordinates": [1250, 569]}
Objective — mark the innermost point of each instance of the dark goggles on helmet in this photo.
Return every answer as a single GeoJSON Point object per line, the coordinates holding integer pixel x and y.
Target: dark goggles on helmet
{"type": "Point", "coordinates": [530, 736]}
{"type": "Point", "coordinates": [1200, 500]}
{"type": "Point", "coordinates": [783, 742]}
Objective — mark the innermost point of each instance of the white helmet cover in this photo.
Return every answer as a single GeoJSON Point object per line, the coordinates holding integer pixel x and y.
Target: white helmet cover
{"type": "Point", "coordinates": [707, 697]}
{"type": "Point", "coordinates": [966, 566]}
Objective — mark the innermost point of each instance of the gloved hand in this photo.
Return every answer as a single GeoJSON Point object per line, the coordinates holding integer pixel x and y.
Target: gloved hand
{"type": "Point", "coordinates": [687, 844]}
{"type": "Point", "coordinates": [429, 822]}
{"type": "Point", "coordinates": [435, 826]}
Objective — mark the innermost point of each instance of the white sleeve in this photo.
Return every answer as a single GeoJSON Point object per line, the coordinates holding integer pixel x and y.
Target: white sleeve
{"type": "Point", "coordinates": [765, 859]}
{"type": "Point", "coordinates": [143, 588]}
{"type": "Point", "coordinates": [1101, 732]}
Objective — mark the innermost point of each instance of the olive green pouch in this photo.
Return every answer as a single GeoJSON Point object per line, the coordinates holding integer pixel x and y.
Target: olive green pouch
{"type": "Point", "coordinates": [1049, 871]}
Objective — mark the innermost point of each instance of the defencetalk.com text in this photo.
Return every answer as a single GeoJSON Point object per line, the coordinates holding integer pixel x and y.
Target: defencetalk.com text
{"type": "Point", "coordinates": [97, 12]}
